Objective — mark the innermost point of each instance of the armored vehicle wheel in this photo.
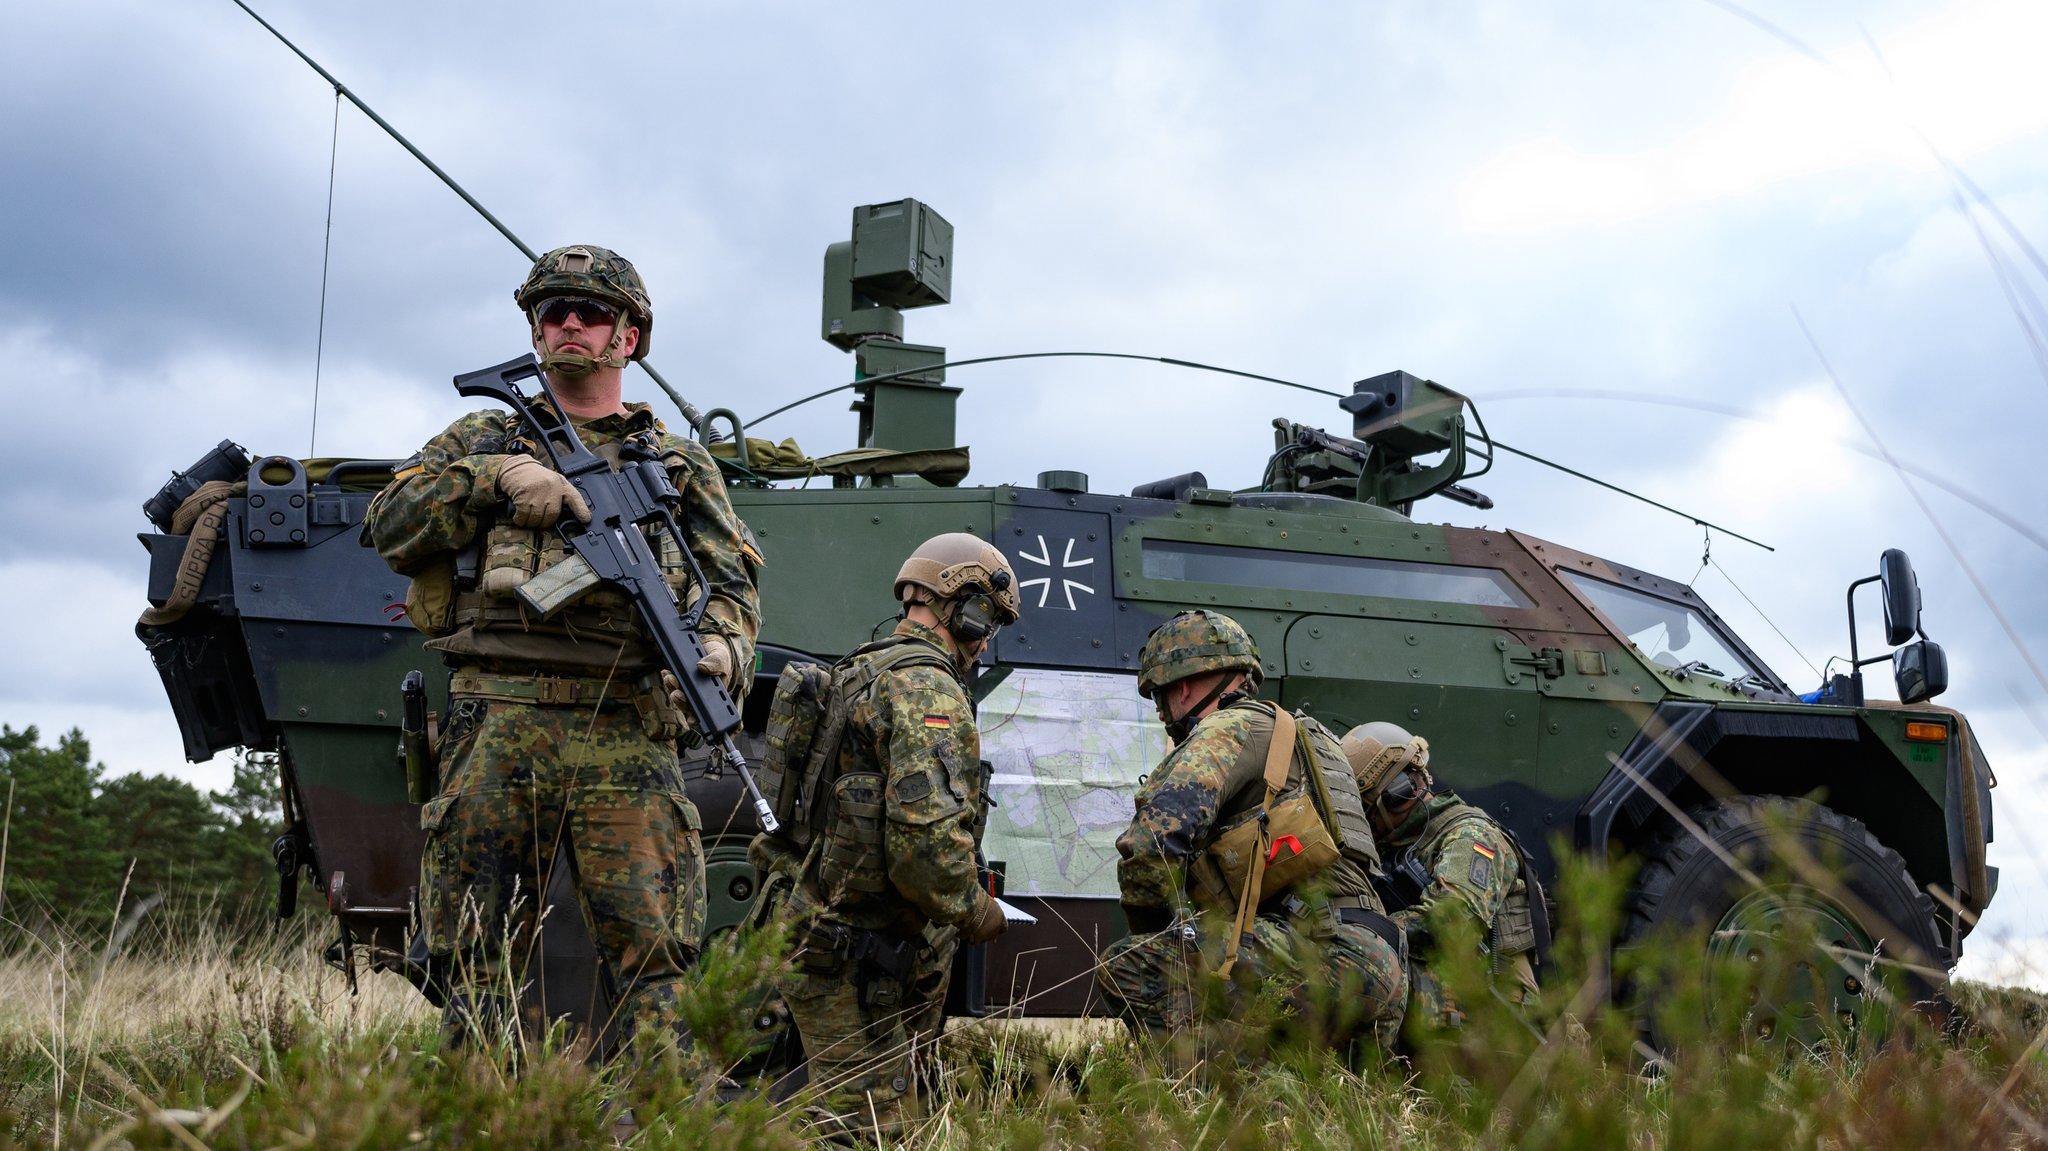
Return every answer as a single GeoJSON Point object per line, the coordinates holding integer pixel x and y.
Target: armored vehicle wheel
{"type": "Point", "coordinates": [1825, 938]}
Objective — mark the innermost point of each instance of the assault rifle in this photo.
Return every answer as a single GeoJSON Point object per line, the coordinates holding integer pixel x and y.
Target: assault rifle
{"type": "Point", "coordinates": [613, 548]}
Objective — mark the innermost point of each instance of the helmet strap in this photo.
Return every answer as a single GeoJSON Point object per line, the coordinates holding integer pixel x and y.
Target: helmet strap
{"type": "Point", "coordinates": [1179, 729]}
{"type": "Point", "coordinates": [576, 366]}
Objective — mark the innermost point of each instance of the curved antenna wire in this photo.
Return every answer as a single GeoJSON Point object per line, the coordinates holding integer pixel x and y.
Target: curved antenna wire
{"type": "Point", "coordinates": [1180, 363]}
{"type": "Point", "coordinates": [1035, 356]}
{"type": "Point", "coordinates": [1606, 395]}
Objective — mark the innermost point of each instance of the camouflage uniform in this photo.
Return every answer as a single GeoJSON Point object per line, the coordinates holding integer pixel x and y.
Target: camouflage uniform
{"type": "Point", "coordinates": [876, 928]}
{"type": "Point", "coordinates": [1463, 861]}
{"type": "Point", "coordinates": [556, 734]}
{"type": "Point", "coordinates": [1342, 979]}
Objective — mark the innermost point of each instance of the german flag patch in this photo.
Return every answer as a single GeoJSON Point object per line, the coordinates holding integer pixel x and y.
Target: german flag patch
{"type": "Point", "coordinates": [938, 721]}
{"type": "Point", "coordinates": [1481, 875]}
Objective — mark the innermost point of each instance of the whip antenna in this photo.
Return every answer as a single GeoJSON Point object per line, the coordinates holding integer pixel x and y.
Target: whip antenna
{"type": "Point", "coordinates": [688, 409]}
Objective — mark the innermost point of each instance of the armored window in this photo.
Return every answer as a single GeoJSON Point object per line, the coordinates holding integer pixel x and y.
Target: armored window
{"type": "Point", "coordinates": [1341, 575]}
{"type": "Point", "coordinates": [1670, 633]}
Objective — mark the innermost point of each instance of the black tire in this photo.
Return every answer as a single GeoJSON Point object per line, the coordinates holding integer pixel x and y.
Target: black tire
{"type": "Point", "coordinates": [1822, 897]}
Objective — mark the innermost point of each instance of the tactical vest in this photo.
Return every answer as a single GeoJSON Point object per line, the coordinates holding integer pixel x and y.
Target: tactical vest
{"type": "Point", "coordinates": [1516, 929]}
{"type": "Point", "coordinates": [1335, 791]}
{"type": "Point", "coordinates": [800, 776]}
{"type": "Point", "coordinates": [597, 632]}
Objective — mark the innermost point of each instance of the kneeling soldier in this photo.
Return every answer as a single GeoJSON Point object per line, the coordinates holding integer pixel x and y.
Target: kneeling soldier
{"type": "Point", "coordinates": [1248, 856]}
{"type": "Point", "coordinates": [1447, 854]}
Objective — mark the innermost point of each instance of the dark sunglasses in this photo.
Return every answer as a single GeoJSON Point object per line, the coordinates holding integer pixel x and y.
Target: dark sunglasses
{"type": "Point", "coordinates": [589, 313]}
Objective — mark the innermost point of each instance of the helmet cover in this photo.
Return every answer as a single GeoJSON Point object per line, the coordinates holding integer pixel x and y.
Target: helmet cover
{"type": "Point", "coordinates": [1195, 642]}
{"type": "Point", "coordinates": [593, 273]}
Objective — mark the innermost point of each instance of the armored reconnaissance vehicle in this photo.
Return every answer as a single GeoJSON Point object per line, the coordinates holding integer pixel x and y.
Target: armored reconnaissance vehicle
{"type": "Point", "coordinates": [1581, 700]}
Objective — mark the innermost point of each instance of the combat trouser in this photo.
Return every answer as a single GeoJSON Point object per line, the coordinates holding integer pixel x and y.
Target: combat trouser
{"type": "Point", "coordinates": [520, 778]}
{"type": "Point", "coordinates": [1343, 981]}
{"type": "Point", "coordinates": [869, 1006]}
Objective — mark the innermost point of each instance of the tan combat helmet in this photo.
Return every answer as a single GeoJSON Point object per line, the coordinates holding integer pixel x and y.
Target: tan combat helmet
{"type": "Point", "coordinates": [965, 570]}
{"type": "Point", "coordinates": [1194, 642]}
{"type": "Point", "coordinates": [1379, 751]}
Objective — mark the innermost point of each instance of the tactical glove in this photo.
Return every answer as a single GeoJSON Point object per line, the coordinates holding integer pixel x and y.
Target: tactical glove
{"type": "Point", "coordinates": [985, 922]}
{"type": "Point", "coordinates": [717, 659]}
{"type": "Point", "coordinates": [539, 494]}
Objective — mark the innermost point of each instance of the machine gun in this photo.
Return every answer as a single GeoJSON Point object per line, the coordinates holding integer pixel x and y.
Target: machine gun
{"type": "Point", "coordinates": [614, 547]}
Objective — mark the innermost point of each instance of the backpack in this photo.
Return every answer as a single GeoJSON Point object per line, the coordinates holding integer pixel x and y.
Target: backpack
{"type": "Point", "coordinates": [807, 724]}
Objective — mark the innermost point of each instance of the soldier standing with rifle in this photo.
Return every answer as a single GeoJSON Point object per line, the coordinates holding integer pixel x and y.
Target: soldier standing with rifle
{"type": "Point", "coordinates": [562, 722]}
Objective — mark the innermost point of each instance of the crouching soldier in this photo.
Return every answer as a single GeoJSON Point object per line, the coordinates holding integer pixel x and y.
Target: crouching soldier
{"type": "Point", "coordinates": [1247, 859]}
{"type": "Point", "coordinates": [1446, 854]}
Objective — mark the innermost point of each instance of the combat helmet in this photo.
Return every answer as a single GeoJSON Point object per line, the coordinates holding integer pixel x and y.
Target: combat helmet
{"type": "Point", "coordinates": [1379, 751]}
{"type": "Point", "coordinates": [1195, 642]}
{"type": "Point", "coordinates": [594, 273]}
{"type": "Point", "coordinates": [966, 568]}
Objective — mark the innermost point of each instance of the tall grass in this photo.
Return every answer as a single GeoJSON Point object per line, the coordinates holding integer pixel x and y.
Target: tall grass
{"type": "Point", "coordinates": [202, 1036]}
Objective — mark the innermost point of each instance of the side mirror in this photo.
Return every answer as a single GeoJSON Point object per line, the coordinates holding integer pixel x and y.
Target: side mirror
{"type": "Point", "coordinates": [1901, 598]}
{"type": "Point", "coordinates": [1920, 671]}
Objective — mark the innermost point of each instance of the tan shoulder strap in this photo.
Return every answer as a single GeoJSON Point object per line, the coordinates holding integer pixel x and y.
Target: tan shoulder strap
{"type": "Point", "coordinates": [1279, 750]}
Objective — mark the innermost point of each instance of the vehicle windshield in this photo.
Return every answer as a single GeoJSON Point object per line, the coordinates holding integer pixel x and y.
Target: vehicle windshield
{"type": "Point", "coordinates": [1670, 634]}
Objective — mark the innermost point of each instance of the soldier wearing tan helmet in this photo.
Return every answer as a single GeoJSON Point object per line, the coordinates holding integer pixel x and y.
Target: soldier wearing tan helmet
{"type": "Point", "coordinates": [1248, 857]}
{"type": "Point", "coordinates": [1447, 856]}
{"type": "Point", "coordinates": [889, 884]}
{"type": "Point", "coordinates": [561, 732]}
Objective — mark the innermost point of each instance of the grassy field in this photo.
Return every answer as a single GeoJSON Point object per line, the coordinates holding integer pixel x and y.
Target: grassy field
{"type": "Point", "coordinates": [214, 1039]}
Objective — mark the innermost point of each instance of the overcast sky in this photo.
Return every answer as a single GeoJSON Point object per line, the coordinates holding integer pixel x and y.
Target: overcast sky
{"type": "Point", "coordinates": [1597, 219]}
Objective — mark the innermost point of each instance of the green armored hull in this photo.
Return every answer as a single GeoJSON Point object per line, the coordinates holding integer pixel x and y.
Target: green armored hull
{"type": "Point", "coordinates": [1582, 702]}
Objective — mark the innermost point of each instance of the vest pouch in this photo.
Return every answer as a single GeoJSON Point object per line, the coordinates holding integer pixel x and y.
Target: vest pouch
{"type": "Point", "coordinates": [511, 557]}
{"type": "Point", "coordinates": [430, 598]}
{"type": "Point", "coordinates": [794, 716]}
{"type": "Point", "coordinates": [850, 865]}
{"type": "Point", "coordinates": [1514, 930]}
{"type": "Point", "coordinates": [1298, 847]}
{"type": "Point", "coordinates": [660, 718]}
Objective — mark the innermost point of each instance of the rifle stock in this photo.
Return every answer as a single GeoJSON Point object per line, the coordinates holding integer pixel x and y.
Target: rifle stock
{"type": "Point", "coordinates": [614, 544]}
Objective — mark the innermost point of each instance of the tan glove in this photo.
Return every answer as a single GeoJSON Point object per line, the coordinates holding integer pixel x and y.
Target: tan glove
{"type": "Point", "coordinates": [674, 690]}
{"type": "Point", "coordinates": [985, 922]}
{"type": "Point", "coordinates": [539, 494]}
{"type": "Point", "coordinates": [717, 659]}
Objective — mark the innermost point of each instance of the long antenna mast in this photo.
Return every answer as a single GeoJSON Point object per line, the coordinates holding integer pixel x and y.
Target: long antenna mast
{"type": "Point", "coordinates": [688, 409]}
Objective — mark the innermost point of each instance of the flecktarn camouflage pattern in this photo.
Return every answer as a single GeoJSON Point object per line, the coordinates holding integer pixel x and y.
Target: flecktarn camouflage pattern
{"type": "Point", "coordinates": [519, 780]}
{"type": "Point", "coordinates": [593, 272]}
{"type": "Point", "coordinates": [877, 902]}
{"type": "Point", "coordinates": [1340, 980]}
{"type": "Point", "coordinates": [555, 738]}
{"type": "Point", "coordinates": [1192, 643]}
{"type": "Point", "coordinates": [1473, 870]}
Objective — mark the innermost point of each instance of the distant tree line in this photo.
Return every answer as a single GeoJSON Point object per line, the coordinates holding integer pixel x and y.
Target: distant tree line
{"type": "Point", "coordinates": [78, 842]}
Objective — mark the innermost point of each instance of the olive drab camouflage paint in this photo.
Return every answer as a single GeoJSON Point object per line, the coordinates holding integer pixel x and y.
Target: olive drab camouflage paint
{"type": "Point", "coordinates": [875, 904]}
{"type": "Point", "coordinates": [1561, 689]}
{"type": "Point", "coordinates": [1472, 869]}
{"type": "Point", "coordinates": [557, 736]}
{"type": "Point", "coordinates": [1347, 979]}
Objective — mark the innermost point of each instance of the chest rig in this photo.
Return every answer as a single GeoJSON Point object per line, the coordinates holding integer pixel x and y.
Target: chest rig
{"type": "Point", "coordinates": [598, 629]}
